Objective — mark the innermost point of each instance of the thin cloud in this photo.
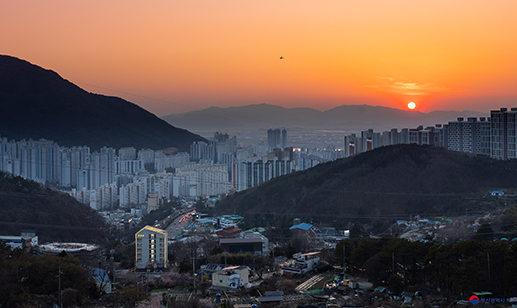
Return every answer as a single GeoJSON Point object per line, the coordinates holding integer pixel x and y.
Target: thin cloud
{"type": "Point", "coordinates": [407, 88]}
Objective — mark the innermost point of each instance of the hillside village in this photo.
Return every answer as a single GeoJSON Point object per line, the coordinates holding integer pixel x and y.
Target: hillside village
{"type": "Point", "coordinates": [314, 279]}
{"type": "Point", "coordinates": [229, 267]}
{"type": "Point", "coordinates": [188, 251]}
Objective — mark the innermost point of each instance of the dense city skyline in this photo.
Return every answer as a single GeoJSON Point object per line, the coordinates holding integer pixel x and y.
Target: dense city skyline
{"type": "Point", "coordinates": [173, 57]}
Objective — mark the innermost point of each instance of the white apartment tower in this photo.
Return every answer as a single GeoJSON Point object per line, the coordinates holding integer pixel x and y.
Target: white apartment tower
{"type": "Point", "coordinates": [128, 153]}
{"type": "Point", "coordinates": [253, 172]}
{"type": "Point", "coordinates": [163, 162]}
{"type": "Point", "coordinates": [151, 248]}
{"type": "Point", "coordinates": [200, 150]}
{"type": "Point", "coordinates": [353, 145]}
{"type": "Point", "coordinates": [197, 179]}
{"type": "Point", "coordinates": [102, 167]}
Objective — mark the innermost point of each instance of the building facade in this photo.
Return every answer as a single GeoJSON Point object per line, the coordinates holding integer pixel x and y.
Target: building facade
{"type": "Point", "coordinates": [502, 133]}
{"type": "Point", "coordinates": [151, 248]}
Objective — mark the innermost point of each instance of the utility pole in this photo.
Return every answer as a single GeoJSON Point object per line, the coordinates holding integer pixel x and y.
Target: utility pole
{"type": "Point", "coordinates": [59, 286]}
{"type": "Point", "coordinates": [194, 271]}
{"type": "Point", "coordinates": [488, 263]}
{"type": "Point", "coordinates": [393, 263]}
{"type": "Point", "coordinates": [344, 264]}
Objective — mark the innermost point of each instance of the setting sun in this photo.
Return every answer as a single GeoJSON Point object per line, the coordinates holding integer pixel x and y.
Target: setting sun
{"type": "Point", "coordinates": [180, 56]}
{"type": "Point", "coordinates": [411, 105]}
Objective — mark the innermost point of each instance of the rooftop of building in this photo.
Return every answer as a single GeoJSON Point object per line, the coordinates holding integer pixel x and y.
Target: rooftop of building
{"type": "Point", "coordinates": [67, 247]}
{"type": "Point", "coordinates": [153, 229]}
{"type": "Point", "coordinates": [303, 226]}
{"type": "Point", "coordinates": [241, 240]}
{"type": "Point", "coordinates": [230, 231]}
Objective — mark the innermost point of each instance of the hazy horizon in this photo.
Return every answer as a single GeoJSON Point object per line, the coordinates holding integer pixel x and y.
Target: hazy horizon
{"type": "Point", "coordinates": [330, 108]}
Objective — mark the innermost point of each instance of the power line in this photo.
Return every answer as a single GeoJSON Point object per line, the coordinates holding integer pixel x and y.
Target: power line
{"type": "Point", "coordinates": [49, 226]}
{"type": "Point", "coordinates": [145, 97]}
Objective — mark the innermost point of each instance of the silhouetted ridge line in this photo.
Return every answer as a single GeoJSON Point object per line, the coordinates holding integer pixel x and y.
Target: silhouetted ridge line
{"type": "Point", "coordinates": [398, 181]}
{"type": "Point", "coordinates": [40, 104]}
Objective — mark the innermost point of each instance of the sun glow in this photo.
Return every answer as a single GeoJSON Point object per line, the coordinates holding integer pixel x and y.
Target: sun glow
{"type": "Point", "coordinates": [411, 105]}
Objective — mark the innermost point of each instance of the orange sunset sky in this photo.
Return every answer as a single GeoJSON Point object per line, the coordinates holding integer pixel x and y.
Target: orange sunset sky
{"type": "Point", "coordinates": [175, 56]}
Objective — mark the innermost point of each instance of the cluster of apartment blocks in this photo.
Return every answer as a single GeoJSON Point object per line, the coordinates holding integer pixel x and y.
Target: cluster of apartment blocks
{"type": "Point", "coordinates": [494, 136]}
{"type": "Point", "coordinates": [107, 179]}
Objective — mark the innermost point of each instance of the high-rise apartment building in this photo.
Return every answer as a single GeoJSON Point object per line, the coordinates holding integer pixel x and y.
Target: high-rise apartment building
{"type": "Point", "coordinates": [128, 153]}
{"type": "Point", "coordinates": [483, 136]}
{"type": "Point", "coordinates": [147, 156]}
{"type": "Point", "coordinates": [151, 248]}
{"type": "Point", "coordinates": [284, 138]}
{"type": "Point", "coordinates": [79, 158]}
{"type": "Point", "coordinates": [253, 172]}
{"type": "Point", "coordinates": [502, 133]}
{"type": "Point", "coordinates": [277, 138]}
{"type": "Point", "coordinates": [204, 178]}
{"type": "Point", "coordinates": [163, 162]}
{"type": "Point", "coordinates": [102, 167]}
{"type": "Point", "coordinates": [353, 145]}
{"type": "Point", "coordinates": [441, 135]}
{"type": "Point", "coordinates": [471, 136]}
{"type": "Point", "coordinates": [200, 150]}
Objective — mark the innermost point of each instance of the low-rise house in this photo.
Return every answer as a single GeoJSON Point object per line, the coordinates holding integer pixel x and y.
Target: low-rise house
{"type": "Point", "coordinates": [271, 299]}
{"type": "Point", "coordinates": [240, 245]}
{"type": "Point", "coordinates": [253, 242]}
{"type": "Point", "coordinates": [228, 232]}
{"type": "Point", "coordinates": [302, 228]}
{"type": "Point", "coordinates": [496, 193]}
{"type": "Point", "coordinates": [231, 277]}
{"type": "Point", "coordinates": [301, 263]}
{"type": "Point", "coordinates": [25, 240]}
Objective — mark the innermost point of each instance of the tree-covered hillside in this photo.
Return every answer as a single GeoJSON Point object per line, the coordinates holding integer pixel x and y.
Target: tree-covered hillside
{"type": "Point", "coordinates": [387, 183]}
{"type": "Point", "coordinates": [447, 269]}
{"type": "Point", "coordinates": [55, 216]}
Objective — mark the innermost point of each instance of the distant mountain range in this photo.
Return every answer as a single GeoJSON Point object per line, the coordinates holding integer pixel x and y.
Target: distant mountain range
{"type": "Point", "coordinates": [384, 184]}
{"type": "Point", "coordinates": [37, 103]}
{"type": "Point", "coordinates": [352, 118]}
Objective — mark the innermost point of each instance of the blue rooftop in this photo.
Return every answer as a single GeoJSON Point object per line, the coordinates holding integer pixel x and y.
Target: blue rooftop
{"type": "Point", "coordinates": [99, 274]}
{"type": "Point", "coordinates": [304, 226]}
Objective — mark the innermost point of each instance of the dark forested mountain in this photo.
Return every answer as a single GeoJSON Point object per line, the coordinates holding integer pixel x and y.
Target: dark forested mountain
{"type": "Point", "coordinates": [37, 103]}
{"type": "Point", "coordinates": [55, 216]}
{"type": "Point", "coordinates": [387, 183]}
